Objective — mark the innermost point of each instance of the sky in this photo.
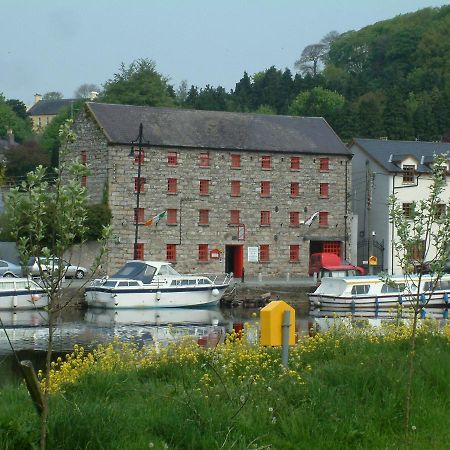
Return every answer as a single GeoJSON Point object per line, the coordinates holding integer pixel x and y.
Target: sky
{"type": "Point", "coordinates": [58, 45]}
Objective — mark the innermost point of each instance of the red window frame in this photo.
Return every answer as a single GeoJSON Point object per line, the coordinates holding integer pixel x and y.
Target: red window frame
{"type": "Point", "coordinates": [265, 188]}
{"type": "Point", "coordinates": [265, 218]}
{"type": "Point", "coordinates": [332, 247]}
{"type": "Point", "coordinates": [266, 162]}
{"type": "Point", "coordinates": [295, 162]}
{"type": "Point", "coordinates": [203, 216]}
{"type": "Point", "coordinates": [264, 253]}
{"type": "Point", "coordinates": [83, 157]}
{"type": "Point", "coordinates": [204, 159]}
{"type": "Point", "coordinates": [295, 189]}
{"type": "Point", "coordinates": [138, 251]}
{"type": "Point", "coordinates": [172, 158]}
{"type": "Point", "coordinates": [203, 251]}
{"type": "Point", "coordinates": [294, 253]}
{"type": "Point", "coordinates": [172, 185]}
{"type": "Point", "coordinates": [323, 219]}
{"type": "Point", "coordinates": [324, 190]}
{"type": "Point", "coordinates": [204, 187]}
{"type": "Point", "coordinates": [235, 161]}
{"type": "Point", "coordinates": [139, 184]}
{"type": "Point", "coordinates": [235, 188]}
{"type": "Point", "coordinates": [324, 164]}
{"type": "Point", "coordinates": [138, 215]}
{"type": "Point", "coordinates": [139, 155]}
{"type": "Point", "coordinates": [235, 217]}
{"type": "Point", "coordinates": [84, 181]}
{"type": "Point", "coordinates": [171, 252]}
{"type": "Point", "coordinates": [172, 216]}
{"type": "Point", "coordinates": [294, 218]}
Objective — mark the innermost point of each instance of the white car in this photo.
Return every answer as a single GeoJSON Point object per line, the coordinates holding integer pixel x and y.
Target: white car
{"type": "Point", "coordinates": [49, 265]}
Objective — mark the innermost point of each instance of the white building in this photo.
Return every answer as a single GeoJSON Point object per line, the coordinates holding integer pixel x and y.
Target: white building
{"type": "Point", "coordinates": [381, 168]}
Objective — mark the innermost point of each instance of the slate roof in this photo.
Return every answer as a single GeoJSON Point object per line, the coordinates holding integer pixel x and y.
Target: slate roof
{"type": "Point", "coordinates": [50, 107]}
{"type": "Point", "coordinates": [216, 129]}
{"type": "Point", "coordinates": [390, 154]}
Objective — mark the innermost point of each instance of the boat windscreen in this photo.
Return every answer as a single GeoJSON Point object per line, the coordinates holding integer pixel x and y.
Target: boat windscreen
{"type": "Point", "coordinates": [136, 271]}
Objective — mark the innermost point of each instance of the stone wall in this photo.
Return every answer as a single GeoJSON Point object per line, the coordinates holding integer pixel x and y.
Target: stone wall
{"type": "Point", "coordinates": [113, 169]}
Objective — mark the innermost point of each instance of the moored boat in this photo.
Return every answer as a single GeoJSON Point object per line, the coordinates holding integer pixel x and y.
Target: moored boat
{"type": "Point", "coordinates": [155, 284]}
{"type": "Point", "coordinates": [21, 293]}
{"type": "Point", "coordinates": [371, 292]}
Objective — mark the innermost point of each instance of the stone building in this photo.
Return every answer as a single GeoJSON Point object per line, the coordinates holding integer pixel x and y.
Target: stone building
{"type": "Point", "coordinates": [241, 191]}
{"type": "Point", "coordinates": [44, 111]}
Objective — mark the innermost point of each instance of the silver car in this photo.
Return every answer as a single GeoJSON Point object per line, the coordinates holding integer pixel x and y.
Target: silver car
{"type": "Point", "coordinates": [48, 265]}
{"type": "Point", "coordinates": [8, 269]}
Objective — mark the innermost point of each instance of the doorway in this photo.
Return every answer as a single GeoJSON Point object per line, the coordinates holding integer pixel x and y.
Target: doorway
{"type": "Point", "coordinates": [234, 260]}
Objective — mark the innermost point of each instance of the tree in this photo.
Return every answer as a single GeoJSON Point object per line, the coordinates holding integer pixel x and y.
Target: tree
{"type": "Point", "coordinates": [309, 61]}
{"type": "Point", "coordinates": [85, 90]}
{"type": "Point", "coordinates": [181, 93]}
{"type": "Point", "coordinates": [52, 95]}
{"type": "Point", "coordinates": [138, 84]}
{"type": "Point", "coordinates": [24, 158]}
{"type": "Point", "coordinates": [10, 120]}
{"type": "Point", "coordinates": [18, 107]}
{"type": "Point", "coordinates": [422, 234]}
{"type": "Point", "coordinates": [45, 220]}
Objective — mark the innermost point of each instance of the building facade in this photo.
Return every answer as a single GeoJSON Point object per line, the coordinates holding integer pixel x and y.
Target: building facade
{"type": "Point", "coordinates": [44, 111]}
{"type": "Point", "coordinates": [381, 168]}
{"type": "Point", "coordinates": [241, 193]}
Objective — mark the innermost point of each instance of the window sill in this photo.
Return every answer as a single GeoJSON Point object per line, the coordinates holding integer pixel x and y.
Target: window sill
{"type": "Point", "coordinates": [236, 168]}
{"type": "Point", "coordinates": [203, 224]}
{"type": "Point", "coordinates": [172, 193]}
{"type": "Point", "coordinates": [266, 168]}
{"type": "Point", "coordinates": [172, 224]}
{"type": "Point", "coordinates": [297, 261]}
{"type": "Point", "coordinates": [264, 225]}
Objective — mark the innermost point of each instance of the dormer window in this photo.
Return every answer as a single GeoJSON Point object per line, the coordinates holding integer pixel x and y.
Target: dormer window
{"type": "Point", "coordinates": [408, 173]}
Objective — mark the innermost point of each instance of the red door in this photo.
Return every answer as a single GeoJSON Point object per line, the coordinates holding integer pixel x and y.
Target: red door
{"type": "Point", "coordinates": [238, 260]}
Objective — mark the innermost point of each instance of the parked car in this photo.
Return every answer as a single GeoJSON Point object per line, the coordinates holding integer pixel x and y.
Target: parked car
{"type": "Point", "coordinates": [8, 269]}
{"type": "Point", "coordinates": [48, 265]}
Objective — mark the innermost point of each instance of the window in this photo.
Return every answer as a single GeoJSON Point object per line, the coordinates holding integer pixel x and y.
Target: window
{"type": "Point", "coordinates": [264, 253]}
{"type": "Point", "coordinates": [266, 162]}
{"type": "Point", "coordinates": [171, 218]}
{"type": "Point", "coordinates": [84, 181]}
{"type": "Point", "coordinates": [265, 218]}
{"type": "Point", "coordinates": [235, 217]}
{"type": "Point", "coordinates": [294, 218]}
{"type": "Point", "coordinates": [360, 289]}
{"type": "Point", "coordinates": [235, 161]}
{"type": "Point", "coordinates": [203, 252]}
{"type": "Point", "coordinates": [138, 215]}
{"type": "Point", "coordinates": [235, 188]}
{"type": "Point", "coordinates": [294, 253]}
{"type": "Point", "coordinates": [139, 251]}
{"type": "Point", "coordinates": [83, 157]}
{"type": "Point", "coordinates": [295, 162]}
{"type": "Point", "coordinates": [323, 219]}
{"type": "Point", "coordinates": [203, 160]}
{"type": "Point", "coordinates": [171, 252]}
{"type": "Point", "coordinates": [408, 210]}
{"type": "Point", "coordinates": [204, 187]}
{"type": "Point", "coordinates": [417, 250]}
{"type": "Point", "coordinates": [139, 156]}
{"type": "Point", "coordinates": [172, 186]}
{"type": "Point", "coordinates": [203, 216]}
{"type": "Point", "coordinates": [324, 190]}
{"type": "Point", "coordinates": [265, 188]}
{"type": "Point", "coordinates": [172, 158]}
{"type": "Point", "coordinates": [139, 184]}
{"type": "Point", "coordinates": [324, 164]}
{"type": "Point", "coordinates": [408, 173]}
{"type": "Point", "coordinates": [332, 247]}
{"type": "Point", "coordinates": [295, 189]}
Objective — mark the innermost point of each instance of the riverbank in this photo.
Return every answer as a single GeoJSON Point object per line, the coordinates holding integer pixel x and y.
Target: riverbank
{"type": "Point", "coordinates": [342, 390]}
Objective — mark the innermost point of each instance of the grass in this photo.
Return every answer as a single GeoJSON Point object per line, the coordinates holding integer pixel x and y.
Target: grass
{"type": "Point", "coordinates": [343, 390]}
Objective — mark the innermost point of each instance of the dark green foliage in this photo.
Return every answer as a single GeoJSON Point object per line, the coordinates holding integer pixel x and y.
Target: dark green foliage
{"type": "Point", "coordinates": [24, 158]}
{"type": "Point", "coordinates": [98, 215]}
{"type": "Point", "coordinates": [10, 119]}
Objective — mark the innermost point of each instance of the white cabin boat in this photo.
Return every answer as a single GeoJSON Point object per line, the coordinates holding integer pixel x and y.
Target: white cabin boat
{"type": "Point", "coordinates": [155, 284]}
{"type": "Point", "coordinates": [372, 293]}
{"type": "Point", "coordinates": [21, 293]}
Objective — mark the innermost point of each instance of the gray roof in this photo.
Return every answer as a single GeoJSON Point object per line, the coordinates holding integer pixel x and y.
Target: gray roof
{"type": "Point", "coordinates": [390, 154]}
{"type": "Point", "coordinates": [217, 130]}
{"type": "Point", "coordinates": [50, 107]}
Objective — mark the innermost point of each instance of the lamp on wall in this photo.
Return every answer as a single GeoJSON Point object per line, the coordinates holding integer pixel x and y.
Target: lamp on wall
{"type": "Point", "coordinates": [137, 141]}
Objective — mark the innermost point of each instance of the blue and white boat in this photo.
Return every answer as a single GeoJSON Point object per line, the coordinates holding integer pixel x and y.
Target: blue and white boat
{"type": "Point", "coordinates": [155, 284]}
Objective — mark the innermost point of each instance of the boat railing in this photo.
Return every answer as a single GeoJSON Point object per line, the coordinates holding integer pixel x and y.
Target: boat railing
{"type": "Point", "coordinates": [216, 278]}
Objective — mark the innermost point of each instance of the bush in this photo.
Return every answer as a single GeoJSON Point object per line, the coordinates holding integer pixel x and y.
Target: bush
{"type": "Point", "coordinates": [98, 215]}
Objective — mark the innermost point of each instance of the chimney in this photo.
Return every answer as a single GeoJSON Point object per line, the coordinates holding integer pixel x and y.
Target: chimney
{"type": "Point", "coordinates": [37, 98]}
{"type": "Point", "coordinates": [10, 137]}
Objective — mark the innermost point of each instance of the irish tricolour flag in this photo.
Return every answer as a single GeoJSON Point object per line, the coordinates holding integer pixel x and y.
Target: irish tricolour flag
{"type": "Point", "coordinates": [155, 219]}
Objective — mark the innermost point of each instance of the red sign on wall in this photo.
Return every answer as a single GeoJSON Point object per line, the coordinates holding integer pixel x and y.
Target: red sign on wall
{"type": "Point", "coordinates": [215, 253]}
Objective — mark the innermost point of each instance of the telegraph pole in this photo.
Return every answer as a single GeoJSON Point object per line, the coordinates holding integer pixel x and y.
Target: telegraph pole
{"type": "Point", "coordinates": [370, 186]}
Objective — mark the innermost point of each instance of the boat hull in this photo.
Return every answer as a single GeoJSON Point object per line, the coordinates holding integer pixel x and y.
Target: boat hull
{"type": "Point", "coordinates": [22, 300]}
{"type": "Point", "coordinates": [143, 297]}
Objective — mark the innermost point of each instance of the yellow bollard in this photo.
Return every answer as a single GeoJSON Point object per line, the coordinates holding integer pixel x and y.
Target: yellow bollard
{"type": "Point", "coordinates": [271, 320]}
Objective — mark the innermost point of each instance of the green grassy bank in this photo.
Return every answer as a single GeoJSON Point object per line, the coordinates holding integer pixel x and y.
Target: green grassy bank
{"type": "Point", "coordinates": [343, 390]}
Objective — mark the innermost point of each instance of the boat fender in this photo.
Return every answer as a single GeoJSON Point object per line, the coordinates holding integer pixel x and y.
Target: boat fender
{"type": "Point", "coordinates": [35, 297]}
{"type": "Point", "coordinates": [15, 301]}
{"type": "Point", "coordinates": [215, 292]}
{"type": "Point", "coordinates": [158, 295]}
